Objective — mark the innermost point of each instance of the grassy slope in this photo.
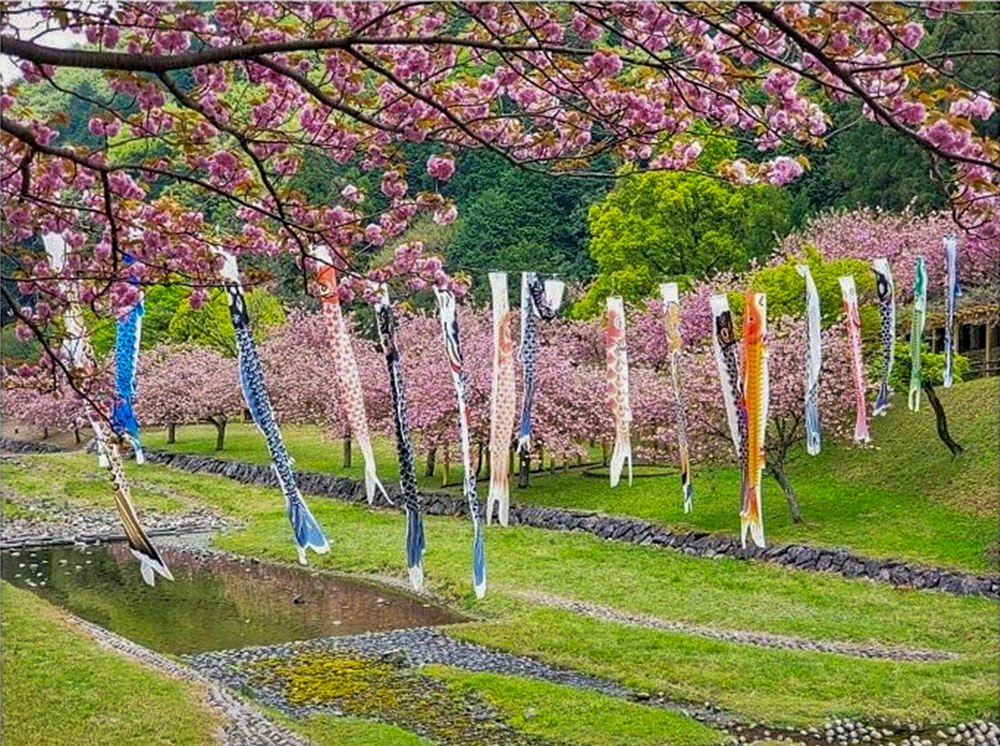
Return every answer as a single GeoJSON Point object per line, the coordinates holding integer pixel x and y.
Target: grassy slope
{"type": "Point", "coordinates": [61, 688]}
{"type": "Point", "coordinates": [331, 730]}
{"type": "Point", "coordinates": [578, 718]}
{"type": "Point", "coordinates": [760, 684]}
{"type": "Point", "coordinates": [905, 497]}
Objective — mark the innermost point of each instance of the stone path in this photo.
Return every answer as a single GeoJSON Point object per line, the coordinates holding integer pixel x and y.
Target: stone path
{"type": "Point", "coordinates": [748, 638]}
{"type": "Point", "coordinates": [242, 724]}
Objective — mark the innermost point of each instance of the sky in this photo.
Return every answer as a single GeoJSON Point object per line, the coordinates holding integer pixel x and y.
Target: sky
{"type": "Point", "coordinates": [32, 25]}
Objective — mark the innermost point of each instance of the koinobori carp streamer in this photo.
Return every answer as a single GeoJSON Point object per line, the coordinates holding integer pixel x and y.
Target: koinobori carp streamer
{"type": "Point", "coordinates": [503, 402]}
{"type": "Point", "coordinates": [672, 324]}
{"type": "Point", "coordinates": [80, 357]}
{"type": "Point", "coordinates": [414, 538]}
{"type": "Point", "coordinates": [128, 337]}
{"type": "Point", "coordinates": [453, 349]}
{"type": "Point", "coordinates": [537, 301]}
{"type": "Point", "coordinates": [346, 368]}
{"type": "Point", "coordinates": [852, 323]}
{"type": "Point", "coordinates": [305, 529]}
{"type": "Point", "coordinates": [917, 333]}
{"type": "Point", "coordinates": [616, 374]}
{"type": "Point", "coordinates": [814, 362]}
{"type": "Point", "coordinates": [886, 292]}
{"type": "Point", "coordinates": [951, 298]}
{"type": "Point", "coordinates": [755, 405]}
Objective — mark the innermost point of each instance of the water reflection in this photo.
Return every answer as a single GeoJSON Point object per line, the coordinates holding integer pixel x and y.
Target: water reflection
{"type": "Point", "coordinates": [214, 603]}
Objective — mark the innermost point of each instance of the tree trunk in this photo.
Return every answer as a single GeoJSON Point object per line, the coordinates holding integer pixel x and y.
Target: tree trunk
{"type": "Point", "coordinates": [778, 472]}
{"type": "Point", "coordinates": [480, 460]}
{"type": "Point", "coordinates": [445, 468]}
{"type": "Point", "coordinates": [431, 458]}
{"type": "Point", "coordinates": [347, 451]}
{"type": "Point", "coordinates": [565, 463]}
{"type": "Point", "coordinates": [942, 420]}
{"type": "Point", "coordinates": [45, 433]}
{"type": "Point", "coordinates": [171, 433]}
{"type": "Point", "coordinates": [604, 453]}
{"type": "Point", "coordinates": [220, 431]}
{"type": "Point", "coordinates": [525, 467]}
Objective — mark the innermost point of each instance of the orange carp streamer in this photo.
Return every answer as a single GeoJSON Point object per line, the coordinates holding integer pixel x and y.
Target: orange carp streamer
{"type": "Point", "coordinates": [503, 402]}
{"type": "Point", "coordinates": [346, 368]}
{"type": "Point", "coordinates": [755, 401]}
{"type": "Point", "coordinates": [616, 358]}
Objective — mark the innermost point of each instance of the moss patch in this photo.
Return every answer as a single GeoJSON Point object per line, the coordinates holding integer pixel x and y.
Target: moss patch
{"type": "Point", "coordinates": [375, 690]}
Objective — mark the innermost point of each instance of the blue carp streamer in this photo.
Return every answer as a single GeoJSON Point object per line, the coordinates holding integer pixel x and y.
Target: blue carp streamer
{"type": "Point", "coordinates": [951, 257]}
{"type": "Point", "coordinates": [415, 543]}
{"type": "Point", "coordinates": [128, 335]}
{"type": "Point", "coordinates": [886, 292]}
{"type": "Point", "coordinates": [537, 300]}
{"type": "Point", "coordinates": [306, 530]}
{"type": "Point", "coordinates": [814, 362]}
{"type": "Point", "coordinates": [917, 333]}
{"type": "Point", "coordinates": [453, 349]}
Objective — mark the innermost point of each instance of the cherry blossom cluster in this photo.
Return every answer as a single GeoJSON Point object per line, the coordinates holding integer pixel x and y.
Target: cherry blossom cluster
{"type": "Point", "coordinates": [233, 99]}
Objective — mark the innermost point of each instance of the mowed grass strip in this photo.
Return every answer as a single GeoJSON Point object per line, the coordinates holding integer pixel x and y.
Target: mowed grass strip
{"type": "Point", "coordinates": [60, 688]}
{"type": "Point", "coordinates": [576, 717]}
{"type": "Point", "coordinates": [778, 687]}
{"type": "Point", "coordinates": [905, 497]}
{"type": "Point", "coordinates": [333, 730]}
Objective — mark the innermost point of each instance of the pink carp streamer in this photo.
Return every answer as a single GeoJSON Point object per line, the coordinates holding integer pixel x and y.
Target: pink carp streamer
{"type": "Point", "coordinates": [346, 367]}
{"type": "Point", "coordinates": [503, 402]}
{"type": "Point", "coordinates": [853, 324]}
{"type": "Point", "coordinates": [80, 358]}
{"type": "Point", "coordinates": [756, 395]}
{"type": "Point", "coordinates": [672, 321]}
{"type": "Point", "coordinates": [616, 358]}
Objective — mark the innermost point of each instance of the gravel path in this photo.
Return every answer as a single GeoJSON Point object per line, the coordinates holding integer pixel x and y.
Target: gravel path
{"type": "Point", "coordinates": [242, 724]}
{"type": "Point", "coordinates": [747, 638]}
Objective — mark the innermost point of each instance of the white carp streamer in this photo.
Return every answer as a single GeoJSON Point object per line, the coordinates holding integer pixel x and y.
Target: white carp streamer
{"type": "Point", "coordinates": [672, 322]}
{"type": "Point", "coordinates": [80, 356]}
{"type": "Point", "coordinates": [616, 358]}
{"type": "Point", "coordinates": [852, 323]}
{"type": "Point", "coordinates": [453, 349]}
{"type": "Point", "coordinates": [814, 362]}
{"type": "Point", "coordinates": [951, 290]}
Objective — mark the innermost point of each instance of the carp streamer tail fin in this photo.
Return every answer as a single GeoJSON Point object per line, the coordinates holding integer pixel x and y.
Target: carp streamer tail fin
{"type": "Point", "coordinates": [372, 483]}
{"type": "Point", "coordinates": [415, 548]}
{"type": "Point", "coordinates": [308, 534]}
{"type": "Point", "coordinates": [478, 561]}
{"type": "Point", "coordinates": [750, 519]}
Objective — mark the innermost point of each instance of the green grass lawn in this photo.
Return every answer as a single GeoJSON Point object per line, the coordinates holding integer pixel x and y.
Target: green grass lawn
{"type": "Point", "coordinates": [60, 688]}
{"type": "Point", "coordinates": [905, 497]}
{"type": "Point", "coordinates": [781, 687]}
{"type": "Point", "coordinates": [776, 686]}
